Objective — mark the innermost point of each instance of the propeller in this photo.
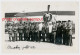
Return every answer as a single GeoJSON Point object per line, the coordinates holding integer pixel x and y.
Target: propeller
{"type": "Point", "coordinates": [47, 16]}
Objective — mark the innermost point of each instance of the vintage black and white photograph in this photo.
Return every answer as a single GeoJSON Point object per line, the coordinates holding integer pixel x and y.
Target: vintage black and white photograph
{"type": "Point", "coordinates": [40, 26]}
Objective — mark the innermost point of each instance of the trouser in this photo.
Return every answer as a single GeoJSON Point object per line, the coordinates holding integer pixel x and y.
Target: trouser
{"type": "Point", "coordinates": [54, 35]}
{"type": "Point", "coordinates": [40, 35]}
{"type": "Point", "coordinates": [10, 37]}
{"type": "Point", "coordinates": [30, 35]}
{"type": "Point", "coordinates": [43, 37]}
{"type": "Point", "coordinates": [58, 39]}
{"type": "Point", "coordinates": [47, 37]}
{"type": "Point", "coordinates": [70, 40]}
{"type": "Point", "coordinates": [20, 37]}
{"type": "Point", "coordinates": [65, 39]}
{"type": "Point", "coordinates": [15, 36]}
{"type": "Point", "coordinates": [51, 37]}
{"type": "Point", "coordinates": [36, 36]}
{"type": "Point", "coordinates": [25, 36]}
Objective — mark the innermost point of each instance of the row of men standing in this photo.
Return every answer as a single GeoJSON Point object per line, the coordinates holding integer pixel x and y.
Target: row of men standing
{"type": "Point", "coordinates": [58, 33]}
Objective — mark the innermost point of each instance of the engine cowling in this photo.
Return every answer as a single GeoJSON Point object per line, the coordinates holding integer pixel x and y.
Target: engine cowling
{"type": "Point", "coordinates": [47, 17]}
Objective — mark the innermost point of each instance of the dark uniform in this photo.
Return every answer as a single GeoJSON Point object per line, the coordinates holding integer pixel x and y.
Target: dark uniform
{"type": "Point", "coordinates": [47, 34]}
{"type": "Point", "coordinates": [26, 31]}
{"type": "Point", "coordinates": [32, 32]}
{"type": "Point", "coordinates": [59, 33]}
{"type": "Point", "coordinates": [36, 33]}
{"type": "Point", "coordinates": [20, 30]}
{"type": "Point", "coordinates": [43, 33]}
{"type": "Point", "coordinates": [64, 33]}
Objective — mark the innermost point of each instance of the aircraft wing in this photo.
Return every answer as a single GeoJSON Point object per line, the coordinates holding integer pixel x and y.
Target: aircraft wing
{"type": "Point", "coordinates": [39, 13]}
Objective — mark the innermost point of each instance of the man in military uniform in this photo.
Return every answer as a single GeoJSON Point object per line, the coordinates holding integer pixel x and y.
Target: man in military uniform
{"type": "Point", "coordinates": [32, 32]}
{"type": "Point", "coordinates": [26, 31]}
{"type": "Point", "coordinates": [69, 33]}
{"type": "Point", "coordinates": [40, 31]}
{"type": "Point", "coordinates": [20, 30]}
{"type": "Point", "coordinates": [59, 33]}
{"type": "Point", "coordinates": [46, 32]}
{"type": "Point", "coordinates": [51, 38]}
{"type": "Point", "coordinates": [36, 32]}
{"type": "Point", "coordinates": [64, 33]}
{"type": "Point", "coordinates": [15, 31]}
{"type": "Point", "coordinates": [43, 32]}
{"type": "Point", "coordinates": [10, 32]}
{"type": "Point", "coordinates": [54, 28]}
{"type": "Point", "coordinates": [6, 27]}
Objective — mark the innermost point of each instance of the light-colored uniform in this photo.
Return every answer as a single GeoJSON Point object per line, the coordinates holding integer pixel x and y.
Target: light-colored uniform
{"type": "Point", "coordinates": [10, 33]}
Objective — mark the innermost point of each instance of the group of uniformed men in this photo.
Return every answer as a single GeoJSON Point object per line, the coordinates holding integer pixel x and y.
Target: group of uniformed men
{"type": "Point", "coordinates": [58, 33]}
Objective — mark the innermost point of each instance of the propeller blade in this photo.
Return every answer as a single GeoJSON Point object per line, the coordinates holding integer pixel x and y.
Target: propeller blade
{"type": "Point", "coordinates": [48, 8]}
